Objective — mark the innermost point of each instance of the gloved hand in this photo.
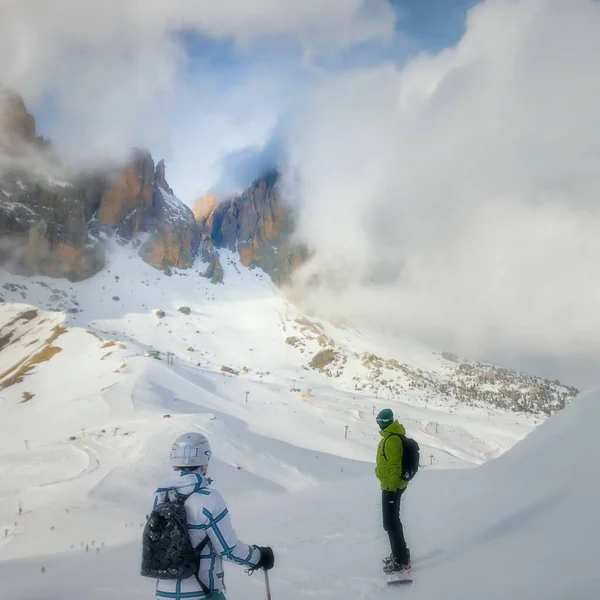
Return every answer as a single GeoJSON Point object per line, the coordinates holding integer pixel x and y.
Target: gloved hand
{"type": "Point", "coordinates": [267, 558]}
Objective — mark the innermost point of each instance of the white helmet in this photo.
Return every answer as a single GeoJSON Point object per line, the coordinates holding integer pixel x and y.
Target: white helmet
{"type": "Point", "coordinates": [191, 450]}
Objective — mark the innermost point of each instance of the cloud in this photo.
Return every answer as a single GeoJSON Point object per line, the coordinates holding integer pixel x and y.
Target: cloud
{"type": "Point", "coordinates": [456, 199]}
{"type": "Point", "coordinates": [226, 136]}
{"type": "Point", "coordinates": [112, 70]}
{"type": "Point", "coordinates": [239, 168]}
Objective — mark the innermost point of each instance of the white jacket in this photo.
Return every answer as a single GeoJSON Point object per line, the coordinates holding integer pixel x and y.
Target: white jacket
{"type": "Point", "coordinates": [206, 515]}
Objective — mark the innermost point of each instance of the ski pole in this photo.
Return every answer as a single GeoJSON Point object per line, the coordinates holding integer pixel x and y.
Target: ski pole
{"type": "Point", "coordinates": [268, 585]}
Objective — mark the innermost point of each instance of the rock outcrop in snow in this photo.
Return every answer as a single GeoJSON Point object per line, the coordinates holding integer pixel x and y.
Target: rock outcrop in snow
{"type": "Point", "coordinates": [257, 224]}
{"type": "Point", "coordinates": [127, 198]}
{"type": "Point", "coordinates": [176, 238]}
{"type": "Point", "coordinates": [458, 382]}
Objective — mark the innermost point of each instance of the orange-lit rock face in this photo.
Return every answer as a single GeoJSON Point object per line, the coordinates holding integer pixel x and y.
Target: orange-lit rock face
{"type": "Point", "coordinates": [129, 197]}
{"type": "Point", "coordinates": [272, 223]}
{"type": "Point", "coordinates": [204, 207]}
{"type": "Point", "coordinates": [74, 262]}
{"type": "Point", "coordinates": [155, 254]}
{"type": "Point", "coordinates": [247, 252]}
{"type": "Point", "coordinates": [71, 257]}
{"type": "Point", "coordinates": [17, 126]}
{"type": "Point", "coordinates": [256, 224]}
{"type": "Point", "coordinates": [176, 237]}
{"type": "Point", "coordinates": [170, 249]}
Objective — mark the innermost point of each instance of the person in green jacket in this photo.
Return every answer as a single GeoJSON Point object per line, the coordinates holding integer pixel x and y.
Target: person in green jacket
{"type": "Point", "coordinates": [389, 473]}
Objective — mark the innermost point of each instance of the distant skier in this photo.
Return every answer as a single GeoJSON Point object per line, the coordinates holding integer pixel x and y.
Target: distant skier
{"type": "Point", "coordinates": [397, 463]}
{"type": "Point", "coordinates": [191, 567]}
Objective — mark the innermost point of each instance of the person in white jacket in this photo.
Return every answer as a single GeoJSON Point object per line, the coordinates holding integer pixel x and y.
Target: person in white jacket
{"type": "Point", "coordinates": [207, 515]}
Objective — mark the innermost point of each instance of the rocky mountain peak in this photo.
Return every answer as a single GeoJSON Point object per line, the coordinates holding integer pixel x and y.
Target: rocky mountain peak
{"type": "Point", "coordinates": [204, 207]}
{"type": "Point", "coordinates": [17, 125]}
{"type": "Point", "coordinates": [160, 178]}
{"type": "Point", "coordinates": [127, 197]}
{"type": "Point", "coordinates": [18, 135]}
{"type": "Point", "coordinates": [54, 224]}
{"type": "Point", "coordinates": [257, 224]}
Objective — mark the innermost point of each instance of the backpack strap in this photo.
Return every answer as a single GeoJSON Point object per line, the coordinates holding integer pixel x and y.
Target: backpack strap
{"type": "Point", "coordinates": [198, 550]}
{"type": "Point", "coordinates": [385, 439]}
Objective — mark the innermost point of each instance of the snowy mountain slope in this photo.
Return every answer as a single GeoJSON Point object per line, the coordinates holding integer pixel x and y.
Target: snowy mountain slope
{"type": "Point", "coordinates": [523, 526]}
{"type": "Point", "coordinates": [102, 417]}
{"type": "Point", "coordinates": [88, 419]}
{"type": "Point", "coordinates": [236, 334]}
{"type": "Point", "coordinates": [246, 324]}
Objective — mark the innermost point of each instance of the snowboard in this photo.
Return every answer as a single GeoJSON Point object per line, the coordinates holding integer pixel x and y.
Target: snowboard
{"type": "Point", "coordinates": [399, 578]}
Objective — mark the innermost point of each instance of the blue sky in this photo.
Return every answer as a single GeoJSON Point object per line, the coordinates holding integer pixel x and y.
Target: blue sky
{"type": "Point", "coordinates": [432, 24]}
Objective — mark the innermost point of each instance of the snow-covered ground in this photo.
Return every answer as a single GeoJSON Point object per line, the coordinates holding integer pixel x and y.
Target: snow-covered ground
{"type": "Point", "coordinates": [87, 421]}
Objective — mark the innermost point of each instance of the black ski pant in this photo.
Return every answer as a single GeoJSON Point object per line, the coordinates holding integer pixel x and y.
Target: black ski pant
{"type": "Point", "coordinates": [390, 504]}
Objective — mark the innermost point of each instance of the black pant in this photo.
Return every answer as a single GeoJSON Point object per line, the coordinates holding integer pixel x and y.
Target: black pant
{"type": "Point", "coordinates": [390, 504]}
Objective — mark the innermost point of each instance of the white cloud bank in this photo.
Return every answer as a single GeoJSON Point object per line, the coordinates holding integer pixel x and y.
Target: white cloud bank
{"type": "Point", "coordinates": [458, 198]}
{"type": "Point", "coordinates": [112, 68]}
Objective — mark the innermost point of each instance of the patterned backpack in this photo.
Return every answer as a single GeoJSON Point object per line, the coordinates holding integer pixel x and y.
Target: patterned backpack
{"type": "Point", "coordinates": [167, 551]}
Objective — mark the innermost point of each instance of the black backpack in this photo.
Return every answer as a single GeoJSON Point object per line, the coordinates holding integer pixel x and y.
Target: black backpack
{"type": "Point", "coordinates": [167, 551]}
{"type": "Point", "coordinates": [410, 456]}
